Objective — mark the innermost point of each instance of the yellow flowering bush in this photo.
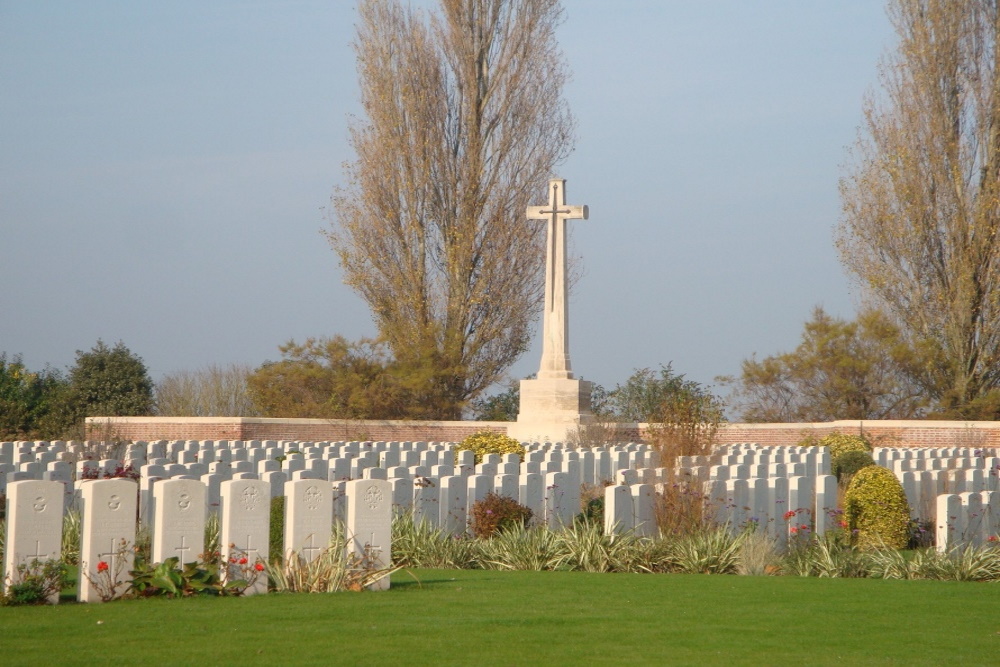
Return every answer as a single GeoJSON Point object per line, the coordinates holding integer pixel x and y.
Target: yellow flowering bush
{"type": "Point", "coordinates": [490, 442]}
{"type": "Point", "coordinates": [876, 509]}
{"type": "Point", "coordinates": [841, 443]}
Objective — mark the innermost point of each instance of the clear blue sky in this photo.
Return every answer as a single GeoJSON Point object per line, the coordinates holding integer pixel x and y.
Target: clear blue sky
{"type": "Point", "coordinates": [165, 169]}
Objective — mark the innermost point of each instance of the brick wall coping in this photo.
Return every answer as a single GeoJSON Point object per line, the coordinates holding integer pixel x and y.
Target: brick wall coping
{"type": "Point", "coordinates": [236, 421]}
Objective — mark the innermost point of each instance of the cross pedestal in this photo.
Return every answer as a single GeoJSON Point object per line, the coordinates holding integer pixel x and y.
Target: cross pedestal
{"type": "Point", "coordinates": [555, 404]}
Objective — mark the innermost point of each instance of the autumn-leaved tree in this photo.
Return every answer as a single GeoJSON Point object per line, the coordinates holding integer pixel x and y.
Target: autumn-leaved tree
{"type": "Point", "coordinates": [338, 379]}
{"type": "Point", "coordinates": [922, 195]}
{"type": "Point", "coordinates": [860, 369]}
{"type": "Point", "coordinates": [464, 123]}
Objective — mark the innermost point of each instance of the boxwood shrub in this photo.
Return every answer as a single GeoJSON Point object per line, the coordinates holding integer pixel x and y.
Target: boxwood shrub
{"type": "Point", "coordinates": [876, 509]}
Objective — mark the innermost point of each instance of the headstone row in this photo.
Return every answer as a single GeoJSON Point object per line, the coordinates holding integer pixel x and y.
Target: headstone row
{"type": "Point", "coordinates": [108, 526]}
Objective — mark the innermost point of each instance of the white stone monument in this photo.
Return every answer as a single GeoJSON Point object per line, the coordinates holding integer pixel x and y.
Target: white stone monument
{"type": "Point", "coordinates": [555, 404]}
{"type": "Point", "coordinates": [34, 527]}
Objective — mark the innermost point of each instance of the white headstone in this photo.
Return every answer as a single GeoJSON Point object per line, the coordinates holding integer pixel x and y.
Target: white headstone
{"type": "Point", "coordinates": [178, 520]}
{"type": "Point", "coordinates": [369, 524]}
{"type": "Point", "coordinates": [308, 518]}
{"type": "Point", "coordinates": [244, 530]}
{"type": "Point", "coordinates": [108, 537]}
{"type": "Point", "coordinates": [34, 527]}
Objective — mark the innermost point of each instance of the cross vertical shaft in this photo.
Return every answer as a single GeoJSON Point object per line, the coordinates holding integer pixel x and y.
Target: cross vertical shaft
{"type": "Point", "coordinates": [555, 318]}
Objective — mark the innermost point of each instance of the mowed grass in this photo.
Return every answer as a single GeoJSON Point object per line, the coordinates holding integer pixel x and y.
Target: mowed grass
{"type": "Point", "coordinates": [461, 617]}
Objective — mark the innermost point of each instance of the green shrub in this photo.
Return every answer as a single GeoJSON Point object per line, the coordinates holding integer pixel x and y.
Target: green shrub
{"type": "Point", "coordinates": [593, 512]}
{"type": "Point", "coordinates": [276, 536]}
{"type": "Point", "coordinates": [839, 443]}
{"type": "Point", "coordinates": [876, 508]}
{"type": "Point", "coordinates": [848, 463]}
{"type": "Point", "coordinates": [35, 582]}
{"type": "Point", "coordinates": [490, 442]}
{"type": "Point", "coordinates": [494, 513]}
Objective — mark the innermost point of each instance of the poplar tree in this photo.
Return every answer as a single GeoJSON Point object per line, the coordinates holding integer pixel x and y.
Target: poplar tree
{"type": "Point", "coordinates": [922, 196]}
{"type": "Point", "coordinates": [464, 122]}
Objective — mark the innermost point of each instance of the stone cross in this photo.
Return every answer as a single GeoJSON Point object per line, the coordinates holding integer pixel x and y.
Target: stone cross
{"type": "Point", "coordinates": [555, 319]}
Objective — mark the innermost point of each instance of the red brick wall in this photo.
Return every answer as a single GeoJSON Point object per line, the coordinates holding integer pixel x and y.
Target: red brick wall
{"type": "Point", "coordinates": [239, 428]}
{"type": "Point", "coordinates": [887, 433]}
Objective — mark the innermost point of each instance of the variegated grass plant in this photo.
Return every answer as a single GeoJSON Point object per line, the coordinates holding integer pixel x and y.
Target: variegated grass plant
{"type": "Point", "coordinates": [520, 548]}
{"type": "Point", "coordinates": [710, 550]}
{"type": "Point", "coordinates": [418, 544]}
{"type": "Point", "coordinates": [70, 547]}
{"type": "Point", "coordinates": [584, 546]}
{"type": "Point", "coordinates": [759, 554]}
{"type": "Point", "coordinates": [331, 571]}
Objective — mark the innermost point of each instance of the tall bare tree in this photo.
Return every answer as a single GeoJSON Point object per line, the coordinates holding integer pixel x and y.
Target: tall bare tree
{"type": "Point", "coordinates": [922, 196]}
{"type": "Point", "coordinates": [465, 121]}
{"type": "Point", "coordinates": [212, 391]}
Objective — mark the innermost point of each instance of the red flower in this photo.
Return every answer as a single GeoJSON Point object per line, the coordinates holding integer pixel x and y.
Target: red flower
{"type": "Point", "coordinates": [259, 567]}
{"type": "Point", "coordinates": [842, 524]}
{"type": "Point", "coordinates": [243, 561]}
{"type": "Point", "coordinates": [793, 530]}
{"type": "Point", "coordinates": [789, 514]}
{"type": "Point", "coordinates": [993, 538]}
{"type": "Point", "coordinates": [803, 527]}
{"type": "Point", "coordinates": [102, 566]}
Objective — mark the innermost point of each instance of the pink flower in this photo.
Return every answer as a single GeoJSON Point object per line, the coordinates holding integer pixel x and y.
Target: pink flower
{"type": "Point", "coordinates": [789, 514]}
{"type": "Point", "coordinates": [793, 530]}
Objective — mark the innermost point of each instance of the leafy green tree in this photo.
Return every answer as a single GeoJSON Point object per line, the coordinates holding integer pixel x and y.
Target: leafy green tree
{"type": "Point", "coordinates": [649, 396]}
{"type": "Point", "coordinates": [682, 415]}
{"type": "Point", "coordinates": [109, 381]}
{"type": "Point", "coordinates": [864, 369]}
{"type": "Point", "coordinates": [500, 407]}
{"type": "Point", "coordinates": [26, 399]}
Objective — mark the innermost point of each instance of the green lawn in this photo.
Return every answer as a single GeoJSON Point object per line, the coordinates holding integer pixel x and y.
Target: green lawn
{"type": "Point", "coordinates": [466, 617]}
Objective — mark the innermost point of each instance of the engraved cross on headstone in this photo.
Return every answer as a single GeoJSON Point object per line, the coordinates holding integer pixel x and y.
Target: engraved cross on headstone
{"type": "Point", "coordinates": [37, 555]}
{"type": "Point", "coordinates": [251, 552]}
{"type": "Point", "coordinates": [111, 557]}
{"type": "Point", "coordinates": [183, 548]}
{"type": "Point", "coordinates": [310, 548]}
{"type": "Point", "coordinates": [374, 550]}
{"type": "Point", "coordinates": [555, 318]}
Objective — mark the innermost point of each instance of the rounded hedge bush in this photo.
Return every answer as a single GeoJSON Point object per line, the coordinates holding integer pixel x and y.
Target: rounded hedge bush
{"type": "Point", "coordinates": [495, 513]}
{"type": "Point", "coordinates": [490, 442]}
{"type": "Point", "coordinates": [839, 443]}
{"type": "Point", "coordinates": [849, 463]}
{"type": "Point", "coordinates": [876, 509]}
